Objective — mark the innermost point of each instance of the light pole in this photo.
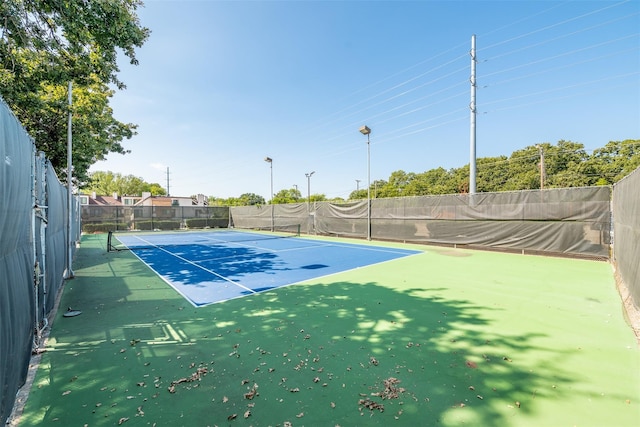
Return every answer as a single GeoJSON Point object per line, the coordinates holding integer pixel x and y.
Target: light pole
{"type": "Point", "coordinates": [541, 165]}
{"type": "Point", "coordinates": [270, 161]}
{"type": "Point", "coordinates": [308, 175]}
{"type": "Point", "coordinates": [366, 131]}
{"type": "Point", "coordinates": [358, 185]}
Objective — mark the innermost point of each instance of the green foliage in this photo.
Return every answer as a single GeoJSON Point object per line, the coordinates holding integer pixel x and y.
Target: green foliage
{"type": "Point", "coordinates": [157, 225]}
{"type": "Point", "coordinates": [616, 160]}
{"type": "Point", "coordinates": [398, 181]}
{"type": "Point", "coordinates": [491, 173]}
{"type": "Point", "coordinates": [246, 199]}
{"type": "Point", "coordinates": [566, 164]}
{"type": "Point", "coordinates": [102, 227]}
{"type": "Point", "coordinates": [107, 183]}
{"type": "Point", "coordinates": [155, 189]}
{"type": "Point", "coordinates": [207, 222]}
{"type": "Point", "coordinates": [358, 194]}
{"type": "Point", "coordinates": [44, 45]}
{"type": "Point", "coordinates": [317, 198]}
{"type": "Point", "coordinates": [434, 181]}
{"type": "Point", "coordinates": [291, 195]}
{"type": "Point", "coordinates": [522, 171]}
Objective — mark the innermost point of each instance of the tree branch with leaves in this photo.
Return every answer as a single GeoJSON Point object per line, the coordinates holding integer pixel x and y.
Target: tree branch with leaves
{"type": "Point", "coordinates": [45, 44]}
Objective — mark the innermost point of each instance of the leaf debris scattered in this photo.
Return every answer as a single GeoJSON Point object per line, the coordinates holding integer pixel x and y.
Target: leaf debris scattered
{"type": "Point", "coordinates": [252, 393]}
{"type": "Point", "coordinates": [390, 391]}
{"type": "Point", "coordinates": [199, 373]}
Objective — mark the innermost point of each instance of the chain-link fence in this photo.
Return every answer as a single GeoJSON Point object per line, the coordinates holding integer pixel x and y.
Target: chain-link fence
{"type": "Point", "coordinates": [38, 235]}
{"type": "Point", "coordinates": [626, 228]}
{"type": "Point", "coordinates": [113, 218]}
{"type": "Point", "coordinates": [569, 221]}
{"type": "Point", "coordinates": [566, 221]}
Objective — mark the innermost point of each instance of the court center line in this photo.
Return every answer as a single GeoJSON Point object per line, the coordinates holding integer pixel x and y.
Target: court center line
{"type": "Point", "coordinates": [197, 266]}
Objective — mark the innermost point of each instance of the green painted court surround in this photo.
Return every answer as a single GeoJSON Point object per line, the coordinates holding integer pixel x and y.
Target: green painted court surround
{"type": "Point", "coordinates": [445, 338]}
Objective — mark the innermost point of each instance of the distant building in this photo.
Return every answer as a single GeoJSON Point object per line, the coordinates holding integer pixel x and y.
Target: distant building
{"type": "Point", "coordinates": [145, 200]}
{"type": "Point", "coordinates": [94, 200]}
{"type": "Point", "coordinates": [138, 212]}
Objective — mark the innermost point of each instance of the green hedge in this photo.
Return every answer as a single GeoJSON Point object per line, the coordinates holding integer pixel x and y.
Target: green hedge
{"type": "Point", "coordinates": [207, 222]}
{"type": "Point", "coordinates": [103, 227]}
{"type": "Point", "coordinates": [157, 225]}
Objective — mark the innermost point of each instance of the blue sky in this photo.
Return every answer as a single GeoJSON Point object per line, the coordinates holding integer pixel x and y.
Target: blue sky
{"type": "Point", "coordinates": [223, 84]}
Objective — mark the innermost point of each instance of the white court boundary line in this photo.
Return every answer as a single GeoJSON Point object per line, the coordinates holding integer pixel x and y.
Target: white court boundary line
{"type": "Point", "coordinates": [191, 263]}
{"type": "Point", "coordinates": [404, 252]}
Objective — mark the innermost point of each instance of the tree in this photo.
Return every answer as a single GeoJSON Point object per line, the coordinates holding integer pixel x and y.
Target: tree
{"type": "Point", "coordinates": [291, 195]}
{"type": "Point", "coordinates": [564, 164]}
{"type": "Point", "coordinates": [459, 181]}
{"type": "Point", "coordinates": [434, 181]}
{"type": "Point", "coordinates": [107, 183]}
{"type": "Point", "coordinates": [396, 185]}
{"type": "Point", "coordinates": [615, 160]}
{"type": "Point", "coordinates": [337, 200]}
{"type": "Point", "coordinates": [522, 170]}
{"type": "Point", "coordinates": [318, 197]}
{"type": "Point", "coordinates": [250, 199]}
{"type": "Point", "coordinates": [44, 44]}
{"type": "Point", "coordinates": [246, 199]}
{"type": "Point", "coordinates": [358, 194]}
{"type": "Point", "coordinates": [377, 187]}
{"type": "Point", "coordinates": [491, 173]}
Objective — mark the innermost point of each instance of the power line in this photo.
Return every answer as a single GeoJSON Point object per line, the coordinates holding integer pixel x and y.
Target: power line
{"type": "Point", "coordinates": [401, 109]}
{"type": "Point", "coordinates": [557, 24]}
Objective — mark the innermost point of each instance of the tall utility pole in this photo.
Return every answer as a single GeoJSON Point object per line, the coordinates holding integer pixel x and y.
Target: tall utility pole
{"type": "Point", "coordinates": [168, 192]}
{"type": "Point", "coordinates": [358, 184]}
{"type": "Point", "coordinates": [472, 107]}
{"type": "Point", "coordinates": [542, 168]}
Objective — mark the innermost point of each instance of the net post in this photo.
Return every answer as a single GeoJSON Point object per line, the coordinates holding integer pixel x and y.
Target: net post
{"type": "Point", "coordinates": [109, 246]}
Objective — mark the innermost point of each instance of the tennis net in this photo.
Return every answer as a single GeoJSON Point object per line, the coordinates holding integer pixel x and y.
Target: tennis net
{"type": "Point", "coordinates": [128, 240]}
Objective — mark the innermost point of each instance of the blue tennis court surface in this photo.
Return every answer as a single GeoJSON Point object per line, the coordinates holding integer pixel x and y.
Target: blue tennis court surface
{"type": "Point", "coordinates": [215, 266]}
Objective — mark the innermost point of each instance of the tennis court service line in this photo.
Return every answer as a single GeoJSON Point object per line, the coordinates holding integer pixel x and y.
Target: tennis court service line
{"type": "Point", "coordinates": [313, 245]}
{"type": "Point", "coordinates": [375, 248]}
{"type": "Point", "coordinates": [299, 248]}
{"type": "Point", "coordinates": [302, 248]}
{"type": "Point", "coordinates": [195, 265]}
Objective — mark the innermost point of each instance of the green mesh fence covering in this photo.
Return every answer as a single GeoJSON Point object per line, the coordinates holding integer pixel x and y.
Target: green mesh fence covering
{"type": "Point", "coordinates": [34, 230]}
{"type": "Point", "coordinates": [626, 227]}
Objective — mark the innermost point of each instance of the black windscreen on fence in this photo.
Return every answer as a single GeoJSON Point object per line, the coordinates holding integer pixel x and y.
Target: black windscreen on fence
{"type": "Point", "coordinates": [626, 236]}
{"type": "Point", "coordinates": [34, 230]}
{"type": "Point", "coordinates": [566, 221]}
{"type": "Point", "coordinates": [123, 218]}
